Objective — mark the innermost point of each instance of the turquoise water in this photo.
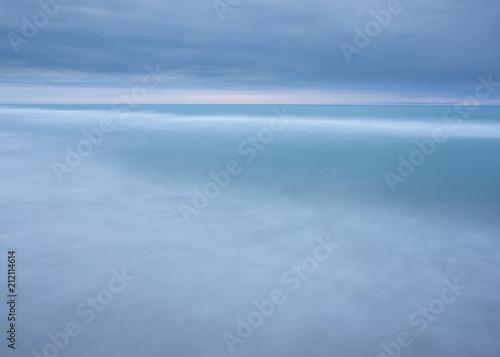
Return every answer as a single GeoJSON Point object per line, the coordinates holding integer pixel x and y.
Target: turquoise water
{"type": "Point", "coordinates": [143, 198]}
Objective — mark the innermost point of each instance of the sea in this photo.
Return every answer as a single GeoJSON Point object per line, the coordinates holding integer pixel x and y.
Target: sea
{"type": "Point", "coordinates": [250, 230]}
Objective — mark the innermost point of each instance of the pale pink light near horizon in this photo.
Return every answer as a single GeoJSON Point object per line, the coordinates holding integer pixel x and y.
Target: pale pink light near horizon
{"type": "Point", "coordinates": [23, 95]}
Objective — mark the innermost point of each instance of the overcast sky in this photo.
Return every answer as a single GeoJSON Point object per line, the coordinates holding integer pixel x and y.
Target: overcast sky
{"type": "Point", "coordinates": [264, 51]}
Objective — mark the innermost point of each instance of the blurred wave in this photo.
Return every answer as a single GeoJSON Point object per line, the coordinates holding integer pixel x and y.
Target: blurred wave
{"type": "Point", "coordinates": [321, 176]}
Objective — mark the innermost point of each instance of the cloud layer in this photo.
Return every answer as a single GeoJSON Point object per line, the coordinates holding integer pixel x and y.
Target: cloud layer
{"type": "Point", "coordinates": [429, 50]}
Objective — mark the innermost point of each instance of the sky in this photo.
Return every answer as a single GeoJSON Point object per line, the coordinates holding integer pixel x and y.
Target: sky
{"type": "Point", "coordinates": [248, 51]}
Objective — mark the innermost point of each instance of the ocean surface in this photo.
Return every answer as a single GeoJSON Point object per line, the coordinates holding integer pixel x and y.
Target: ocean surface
{"type": "Point", "coordinates": [251, 230]}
